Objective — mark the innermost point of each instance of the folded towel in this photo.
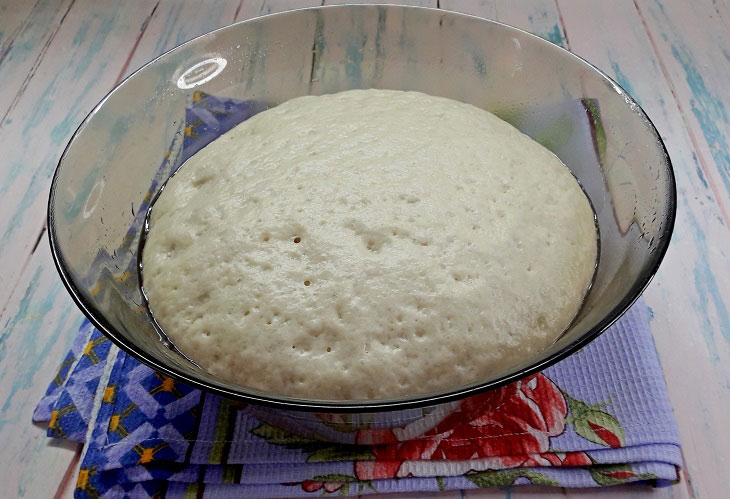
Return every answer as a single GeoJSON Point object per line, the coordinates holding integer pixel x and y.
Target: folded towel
{"type": "Point", "coordinates": [600, 417]}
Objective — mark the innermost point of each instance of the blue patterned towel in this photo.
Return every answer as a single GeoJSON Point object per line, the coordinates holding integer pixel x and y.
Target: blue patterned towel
{"type": "Point", "coordinates": [600, 417]}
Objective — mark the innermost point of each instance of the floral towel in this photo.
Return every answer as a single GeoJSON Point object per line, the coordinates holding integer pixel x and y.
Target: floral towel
{"type": "Point", "coordinates": [600, 417]}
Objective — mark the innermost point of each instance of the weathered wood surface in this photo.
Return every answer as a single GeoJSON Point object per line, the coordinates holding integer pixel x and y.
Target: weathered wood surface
{"type": "Point", "coordinates": [59, 57]}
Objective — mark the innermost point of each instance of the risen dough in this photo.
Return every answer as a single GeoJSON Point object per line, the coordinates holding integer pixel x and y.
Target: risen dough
{"type": "Point", "coordinates": [366, 245]}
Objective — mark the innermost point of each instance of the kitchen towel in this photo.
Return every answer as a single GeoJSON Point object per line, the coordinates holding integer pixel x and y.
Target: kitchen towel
{"type": "Point", "coordinates": [600, 417]}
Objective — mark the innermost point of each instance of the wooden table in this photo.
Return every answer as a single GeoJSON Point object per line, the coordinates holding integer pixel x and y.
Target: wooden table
{"type": "Point", "coordinates": [59, 57]}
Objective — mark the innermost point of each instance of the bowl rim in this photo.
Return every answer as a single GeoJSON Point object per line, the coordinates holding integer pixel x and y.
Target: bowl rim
{"type": "Point", "coordinates": [99, 321]}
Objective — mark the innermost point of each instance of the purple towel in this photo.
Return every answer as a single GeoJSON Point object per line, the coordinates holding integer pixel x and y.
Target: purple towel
{"type": "Point", "coordinates": [600, 417]}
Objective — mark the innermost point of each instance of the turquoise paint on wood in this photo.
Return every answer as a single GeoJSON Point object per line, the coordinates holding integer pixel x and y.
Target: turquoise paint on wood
{"type": "Point", "coordinates": [16, 220]}
{"type": "Point", "coordinates": [15, 166]}
{"type": "Point", "coordinates": [36, 346]}
{"type": "Point", "coordinates": [80, 35]}
{"type": "Point", "coordinates": [23, 308]}
{"type": "Point", "coordinates": [710, 303]}
{"type": "Point", "coordinates": [172, 19]}
{"type": "Point", "coordinates": [700, 173]}
{"type": "Point", "coordinates": [623, 80]}
{"type": "Point", "coordinates": [555, 36]}
{"type": "Point", "coordinates": [95, 45]}
{"type": "Point", "coordinates": [710, 112]}
{"type": "Point", "coordinates": [84, 64]}
{"type": "Point", "coordinates": [62, 131]}
{"type": "Point", "coordinates": [24, 42]}
{"type": "Point", "coordinates": [42, 106]}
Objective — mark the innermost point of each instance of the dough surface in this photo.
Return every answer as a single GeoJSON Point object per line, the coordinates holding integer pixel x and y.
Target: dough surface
{"type": "Point", "coordinates": [369, 244]}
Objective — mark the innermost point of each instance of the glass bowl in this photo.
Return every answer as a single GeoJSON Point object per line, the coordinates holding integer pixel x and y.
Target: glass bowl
{"type": "Point", "coordinates": [148, 125]}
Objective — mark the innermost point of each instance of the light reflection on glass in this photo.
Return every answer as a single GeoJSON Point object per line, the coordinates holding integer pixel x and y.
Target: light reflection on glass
{"type": "Point", "coordinates": [201, 73]}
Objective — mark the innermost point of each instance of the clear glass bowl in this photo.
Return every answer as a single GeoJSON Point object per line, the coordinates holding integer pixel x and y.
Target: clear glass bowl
{"type": "Point", "coordinates": [145, 128]}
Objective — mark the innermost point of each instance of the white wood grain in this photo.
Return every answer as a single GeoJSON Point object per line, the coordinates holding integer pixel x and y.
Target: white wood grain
{"type": "Point", "coordinates": [480, 8]}
{"type": "Point", "coordinates": [26, 31]}
{"type": "Point", "coordinates": [175, 22]}
{"type": "Point", "coordinates": [693, 49]}
{"type": "Point", "coordinates": [540, 17]}
{"type": "Point", "coordinates": [721, 10]}
{"type": "Point", "coordinates": [257, 8]}
{"type": "Point", "coordinates": [416, 3]}
{"type": "Point", "coordinates": [33, 340]}
{"type": "Point", "coordinates": [13, 17]}
{"type": "Point", "coordinates": [79, 67]}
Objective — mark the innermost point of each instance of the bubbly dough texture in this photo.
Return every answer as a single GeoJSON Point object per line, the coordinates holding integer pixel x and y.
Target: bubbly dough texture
{"type": "Point", "coordinates": [366, 245]}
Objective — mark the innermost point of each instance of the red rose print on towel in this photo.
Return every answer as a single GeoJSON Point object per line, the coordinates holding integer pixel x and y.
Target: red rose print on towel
{"type": "Point", "coordinates": [506, 428]}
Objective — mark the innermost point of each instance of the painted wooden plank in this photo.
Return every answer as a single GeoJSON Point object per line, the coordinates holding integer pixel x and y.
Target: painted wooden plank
{"type": "Point", "coordinates": [257, 8]}
{"type": "Point", "coordinates": [540, 17]}
{"type": "Point", "coordinates": [25, 46]}
{"type": "Point", "coordinates": [13, 16]}
{"type": "Point", "coordinates": [79, 67]}
{"type": "Point", "coordinates": [175, 22]}
{"type": "Point", "coordinates": [691, 292]}
{"type": "Point", "coordinates": [416, 3]}
{"type": "Point", "coordinates": [693, 48]}
{"type": "Point", "coordinates": [479, 8]}
{"type": "Point", "coordinates": [35, 334]}
{"type": "Point", "coordinates": [721, 10]}
{"type": "Point", "coordinates": [254, 8]}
